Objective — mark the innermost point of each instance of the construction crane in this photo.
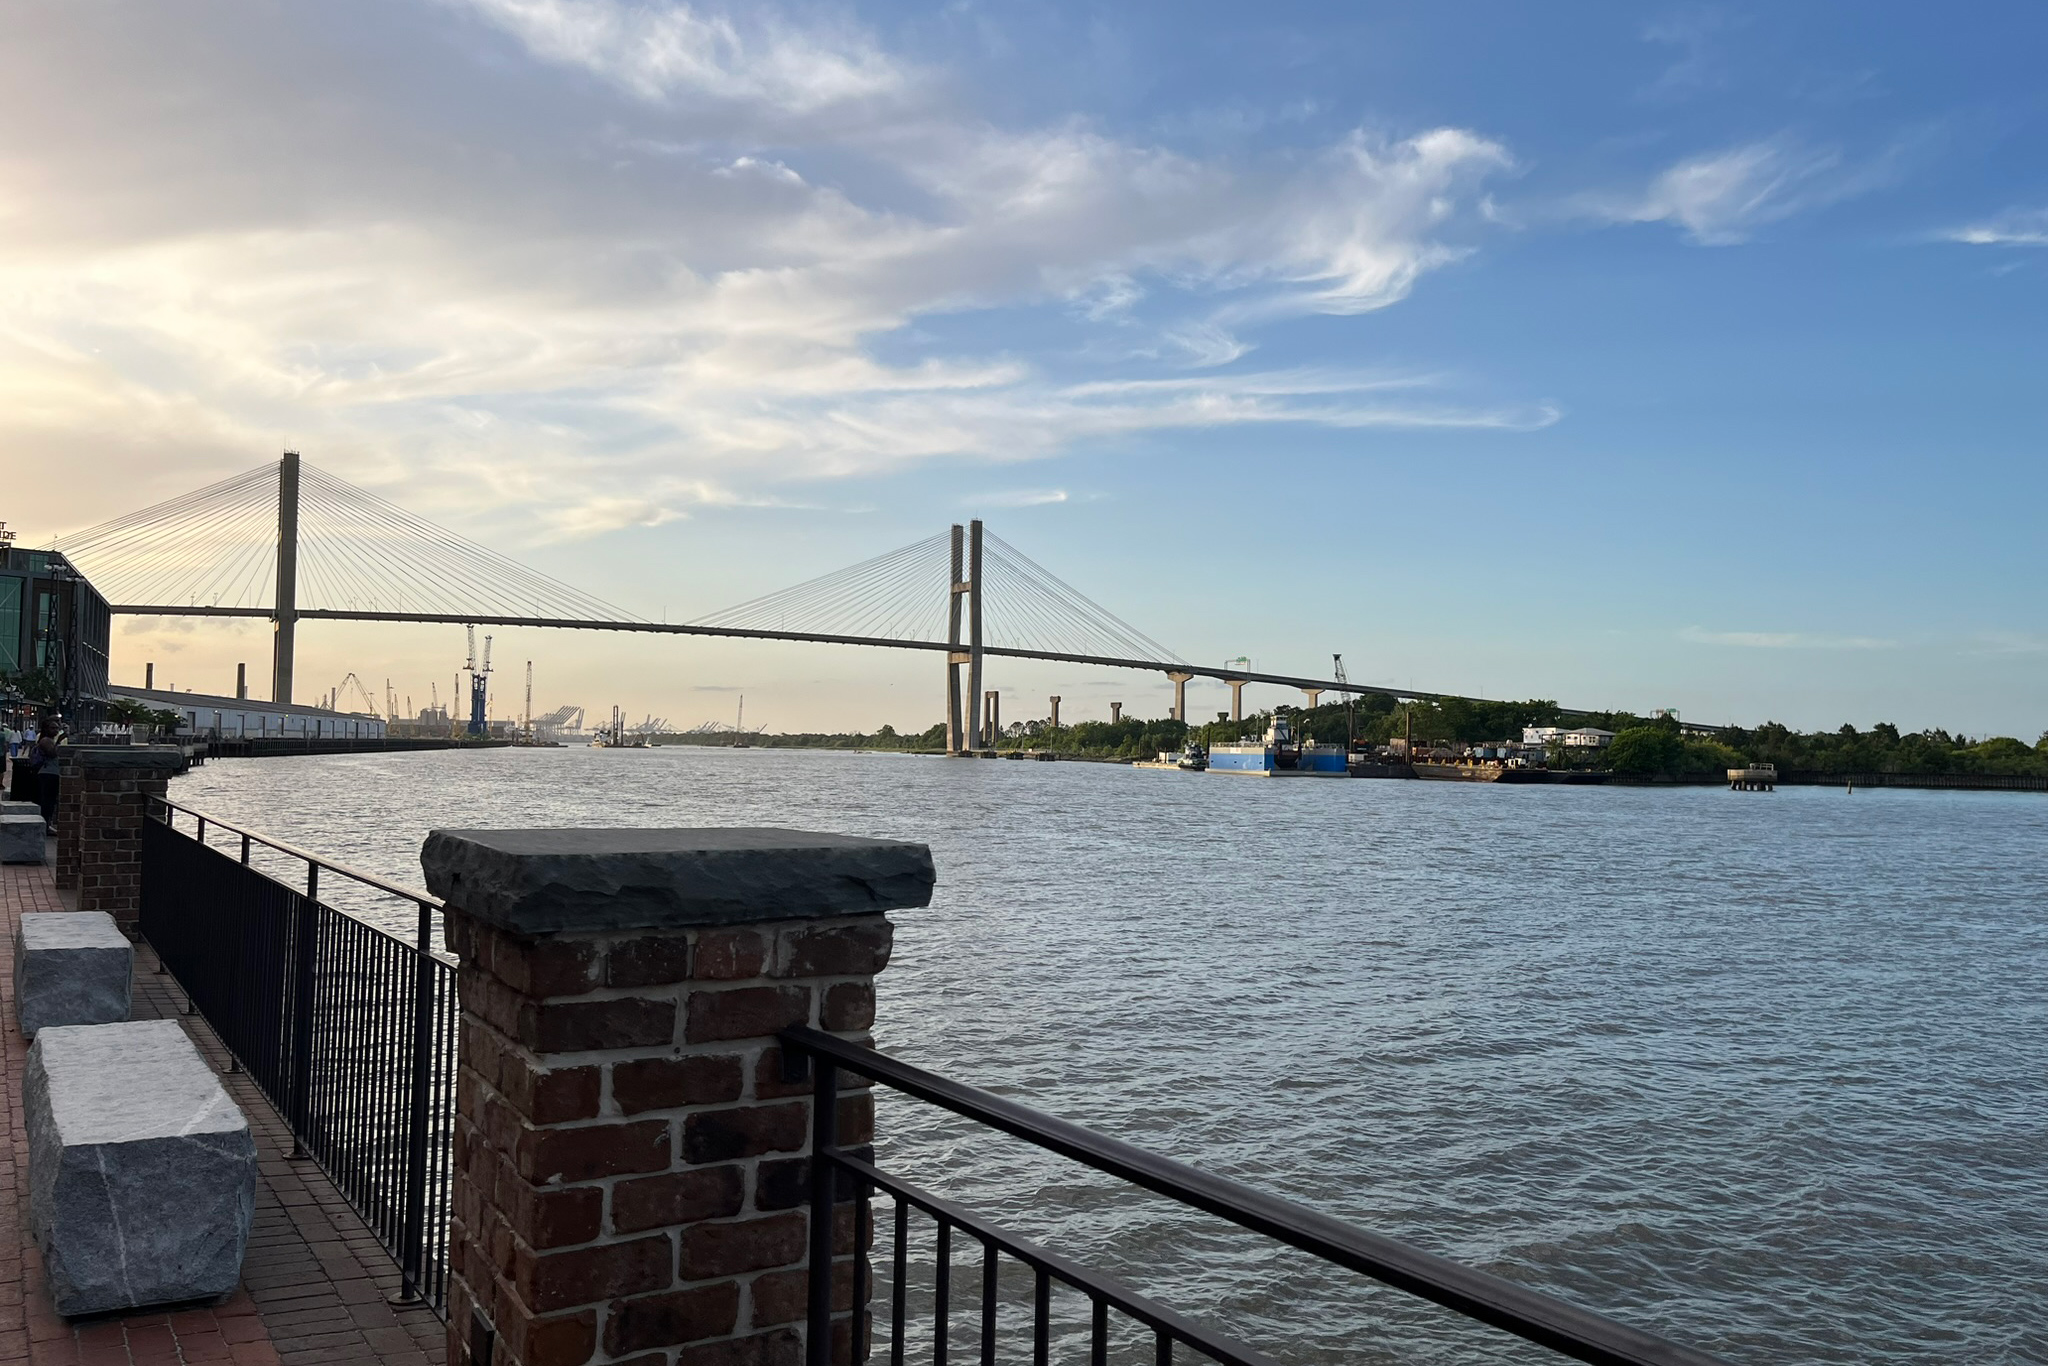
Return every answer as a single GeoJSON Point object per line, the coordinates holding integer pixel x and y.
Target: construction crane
{"type": "Point", "coordinates": [369, 703]}
{"type": "Point", "coordinates": [479, 686]}
{"type": "Point", "coordinates": [1350, 704]}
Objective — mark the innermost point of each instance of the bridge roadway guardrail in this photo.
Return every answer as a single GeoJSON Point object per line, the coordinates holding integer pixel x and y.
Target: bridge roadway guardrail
{"type": "Point", "coordinates": [348, 1030]}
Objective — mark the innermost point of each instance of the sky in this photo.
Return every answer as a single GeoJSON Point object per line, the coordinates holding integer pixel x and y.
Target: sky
{"type": "Point", "coordinates": [1623, 354]}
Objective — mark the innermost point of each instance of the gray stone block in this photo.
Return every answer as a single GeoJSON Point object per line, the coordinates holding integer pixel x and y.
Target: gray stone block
{"type": "Point", "coordinates": [141, 1170]}
{"type": "Point", "coordinates": [547, 881]}
{"type": "Point", "coordinates": [100, 759]}
{"type": "Point", "coordinates": [70, 968]}
{"type": "Point", "coordinates": [21, 809]}
{"type": "Point", "coordinates": [21, 838]}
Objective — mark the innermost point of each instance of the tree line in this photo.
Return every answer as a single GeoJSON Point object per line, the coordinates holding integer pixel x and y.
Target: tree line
{"type": "Point", "coordinates": [1646, 746]}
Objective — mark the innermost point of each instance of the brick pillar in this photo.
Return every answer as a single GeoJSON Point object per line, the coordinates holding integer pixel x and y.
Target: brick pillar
{"type": "Point", "coordinates": [630, 1166]}
{"type": "Point", "coordinates": [103, 795]}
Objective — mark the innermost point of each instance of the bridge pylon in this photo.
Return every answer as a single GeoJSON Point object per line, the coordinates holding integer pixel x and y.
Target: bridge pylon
{"type": "Point", "coordinates": [285, 614]}
{"type": "Point", "coordinates": [956, 735]}
{"type": "Point", "coordinates": [972, 587]}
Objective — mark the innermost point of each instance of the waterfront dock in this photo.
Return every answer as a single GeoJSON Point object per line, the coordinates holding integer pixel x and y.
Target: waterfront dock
{"type": "Point", "coordinates": [1755, 778]}
{"type": "Point", "coordinates": [316, 1287]}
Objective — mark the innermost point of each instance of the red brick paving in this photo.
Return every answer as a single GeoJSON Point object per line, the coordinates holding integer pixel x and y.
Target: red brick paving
{"type": "Point", "coordinates": [315, 1287]}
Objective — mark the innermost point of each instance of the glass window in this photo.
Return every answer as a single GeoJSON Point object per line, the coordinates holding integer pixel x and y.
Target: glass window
{"type": "Point", "coordinates": [10, 624]}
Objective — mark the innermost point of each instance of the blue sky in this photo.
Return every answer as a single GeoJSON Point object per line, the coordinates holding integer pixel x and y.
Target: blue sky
{"type": "Point", "coordinates": [1629, 355]}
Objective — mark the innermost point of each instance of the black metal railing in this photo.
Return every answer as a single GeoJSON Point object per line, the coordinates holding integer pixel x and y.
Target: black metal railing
{"type": "Point", "coordinates": [350, 1031]}
{"type": "Point", "coordinates": [846, 1173]}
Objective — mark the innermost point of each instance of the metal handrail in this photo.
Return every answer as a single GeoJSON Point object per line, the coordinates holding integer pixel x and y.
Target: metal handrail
{"type": "Point", "coordinates": [419, 894]}
{"type": "Point", "coordinates": [1530, 1314]}
{"type": "Point", "coordinates": [1153, 1315]}
{"type": "Point", "coordinates": [293, 1094]}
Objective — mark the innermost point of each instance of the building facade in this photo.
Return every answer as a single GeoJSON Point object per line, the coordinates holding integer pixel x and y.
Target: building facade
{"type": "Point", "coordinates": [236, 718]}
{"type": "Point", "coordinates": [54, 632]}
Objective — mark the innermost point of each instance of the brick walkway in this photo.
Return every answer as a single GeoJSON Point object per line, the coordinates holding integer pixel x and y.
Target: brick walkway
{"type": "Point", "coordinates": [315, 1286]}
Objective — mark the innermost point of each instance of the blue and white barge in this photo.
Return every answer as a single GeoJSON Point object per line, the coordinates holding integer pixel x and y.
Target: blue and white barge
{"type": "Point", "coordinates": [1279, 755]}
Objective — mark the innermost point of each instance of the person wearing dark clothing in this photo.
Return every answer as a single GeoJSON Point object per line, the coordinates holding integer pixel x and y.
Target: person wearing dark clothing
{"type": "Point", "coordinates": [45, 755]}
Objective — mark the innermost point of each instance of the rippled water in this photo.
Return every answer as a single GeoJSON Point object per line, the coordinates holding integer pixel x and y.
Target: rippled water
{"type": "Point", "coordinates": [1760, 1072]}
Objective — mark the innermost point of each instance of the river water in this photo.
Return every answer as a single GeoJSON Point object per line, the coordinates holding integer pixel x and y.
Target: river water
{"type": "Point", "coordinates": [1764, 1073]}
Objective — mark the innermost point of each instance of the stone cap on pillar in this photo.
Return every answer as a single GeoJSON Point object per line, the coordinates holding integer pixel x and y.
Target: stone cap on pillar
{"type": "Point", "coordinates": [146, 758]}
{"type": "Point", "coordinates": [534, 882]}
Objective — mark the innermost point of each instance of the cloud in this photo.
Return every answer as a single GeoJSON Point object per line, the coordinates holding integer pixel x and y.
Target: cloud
{"type": "Point", "coordinates": [1783, 640]}
{"type": "Point", "coordinates": [1723, 197]}
{"type": "Point", "coordinates": [1208, 344]}
{"type": "Point", "coordinates": [2011, 643]}
{"type": "Point", "coordinates": [611, 262]}
{"type": "Point", "coordinates": [2013, 228]}
{"type": "Point", "coordinates": [679, 52]}
{"type": "Point", "coordinates": [1699, 66]}
{"type": "Point", "coordinates": [1017, 498]}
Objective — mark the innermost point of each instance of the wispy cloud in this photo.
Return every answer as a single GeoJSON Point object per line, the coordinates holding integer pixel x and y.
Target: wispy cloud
{"type": "Point", "coordinates": [1699, 67]}
{"type": "Point", "coordinates": [611, 262]}
{"type": "Point", "coordinates": [1721, 198]}
{"type": "Point", "coordinates": [1783, 640]}
{"type": "Point", "coordinates": [684, 52]}
{"type": "Point", "coordinates": [2011, 643]}
{"type": "Point", "coordinates": [1017, 498]}
{"type": "Point", "coordinates": [2013, 228]}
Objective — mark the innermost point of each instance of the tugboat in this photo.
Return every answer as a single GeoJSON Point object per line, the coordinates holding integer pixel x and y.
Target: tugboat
{"type": "Point", "coordinates": [1193, 759]}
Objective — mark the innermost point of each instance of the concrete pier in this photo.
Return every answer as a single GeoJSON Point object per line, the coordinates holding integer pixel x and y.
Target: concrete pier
{"type": "Point", "coordinates": [1755, 778]}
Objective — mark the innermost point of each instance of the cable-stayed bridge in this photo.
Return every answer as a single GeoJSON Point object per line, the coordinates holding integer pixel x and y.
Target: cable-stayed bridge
{"type": "Point", "coordinates": [290, 542]}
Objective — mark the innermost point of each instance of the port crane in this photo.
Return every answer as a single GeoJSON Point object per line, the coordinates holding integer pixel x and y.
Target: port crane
{"type": "Point", "coordinates": [479, 686]}
{"type": "Point", "coordinates": [1350, 704]}
{"type": "Point", "coordinates": [341, 688]}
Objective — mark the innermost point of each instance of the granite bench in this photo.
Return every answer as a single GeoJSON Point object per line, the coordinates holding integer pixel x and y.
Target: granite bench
{"type": "Point", "coordinates": [22, 835]}
{"type": "Point", "coordinates": [70, 968]}
{"type": "Point", "coordinates": [141, 1170]}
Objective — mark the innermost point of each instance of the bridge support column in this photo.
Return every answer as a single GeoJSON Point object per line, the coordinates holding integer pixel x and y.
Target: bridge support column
{"type": "Point", "coordinates": [1180, 695]}
{"type": "Point", "coordinates": [1116, 712]}
{"type": "Point", "coordinates": [286, 613]}
{"type": "Point", "coordinates": [1236, 698]}
{"type": "Point", "coordinates": [991, 718]}
{"type": "Point", "coordinates": [1314, 696]}
{"type": "Point", "coordinates": [974, 698]}
{"type": "Point", "coordinates": [956, 735]}
{"type": "Point", "coordinates": [1055, 711]}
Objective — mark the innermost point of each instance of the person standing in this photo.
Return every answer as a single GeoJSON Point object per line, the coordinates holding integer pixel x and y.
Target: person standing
{"type": "Point", "coordinates": [48, 736]}
{"type": "Point", "coordinates": [21, 782]}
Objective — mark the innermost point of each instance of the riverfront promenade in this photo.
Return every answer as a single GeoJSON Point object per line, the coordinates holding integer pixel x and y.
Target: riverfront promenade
{"type": "Point", "coordinates": [315, 1285]}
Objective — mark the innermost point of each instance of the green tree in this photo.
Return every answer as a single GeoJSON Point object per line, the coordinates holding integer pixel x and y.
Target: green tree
{"type": "Point", "coordinates": [1645, 751]}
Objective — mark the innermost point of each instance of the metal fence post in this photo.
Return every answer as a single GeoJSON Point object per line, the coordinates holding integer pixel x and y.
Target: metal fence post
{"type": "Point", "coordinates": [824, 1177]}
{"type": "Point", "coordinates": [307, 937]}
{"type": "Point", "coordinates": [413, 1239]}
